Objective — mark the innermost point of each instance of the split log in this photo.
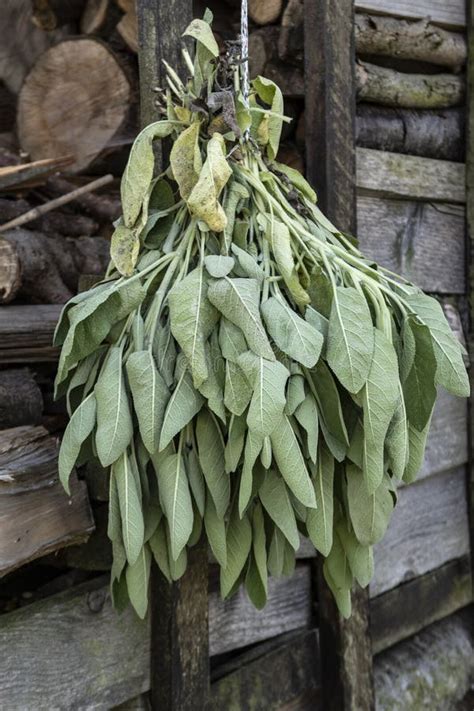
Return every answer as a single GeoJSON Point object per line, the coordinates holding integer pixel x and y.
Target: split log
{"type": "Point", "coordinates": [103, 208]}
{"type": "Point", "coordinates": [51, 14]}
{"type": "Point", "coordinates": [46, 269]}
{"type": "Point", "coordinates": [18, 56]}
{"type": "Point", "coordinates": [21, 401]}
{"type": "Point", "coordinates": [128, 25]}
{"type": "Point", "coordinates": [94, 16]}
{"type": "Point", "coordinates": [291, 39]}
{"type": "Point", "coordinates": [36, 515]}
{"type": "Point", "coordinates": [75, 100]}
{"type": "Point", "coordinates": [447, 13]}
{"type": "Point", "coordinates": [26, 333]}
{"type": "Point", "coordinates": [421, 41]}
{"type": "Point", "coordinates": [264, 12]}
{"type": "Point", "coordinates": [432, 134]}
{"type": "Point", "coordinates": [380, 85]}
{"type": "Point", "coordinates": [68, 224]}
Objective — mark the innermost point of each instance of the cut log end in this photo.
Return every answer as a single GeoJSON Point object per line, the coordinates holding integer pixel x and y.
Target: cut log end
{"type": "Point", "coordinates": [74, 101]}
{"type": "Point", "coordinates": [264, 12]}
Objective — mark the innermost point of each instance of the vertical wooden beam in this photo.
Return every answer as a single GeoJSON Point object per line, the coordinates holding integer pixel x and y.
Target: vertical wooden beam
{"type": "Point", "coordinates": [346, 655]}
{"type": "Point", "coordinates": [179, 612]}
{"type": "Point", "coordinates": [470, 258]}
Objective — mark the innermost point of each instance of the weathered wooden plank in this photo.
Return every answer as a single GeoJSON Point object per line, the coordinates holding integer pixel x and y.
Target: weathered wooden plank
{"type": "Point", "coordinates": [402, 612]}
{"type": "Point", "coordinates": [236, 623]}
{"type": "Point", "coordinates": [36, 515]}
{"type": "Point", "coordinates": [420, 241]}
{"type": "Point", "coordinates": [269, 676]}
{"type": "Point", "coordinates": [393, 175]}
{"type": "Point", "coordinates": [429, 527]}
{"type": "Point", "coordinates": [448, 13]}
{"type": "Point", "coordinates": [26, 333]}
{"type": "Point", "coordinates": [346, 657]}
{"type": "Point", "coordinates": [73, 650]}
{"type": "Point", "coordinates": [433, 670]}
{"type": "Point", "coordinates": [97, 658]}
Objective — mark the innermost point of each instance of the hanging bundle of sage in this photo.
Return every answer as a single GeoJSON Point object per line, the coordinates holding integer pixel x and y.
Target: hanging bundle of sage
{"type": "Point", "coordinates": [243, 368]}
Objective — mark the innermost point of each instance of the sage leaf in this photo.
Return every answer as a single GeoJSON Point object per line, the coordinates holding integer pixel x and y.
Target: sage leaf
{"type": "Point", "coordinates": [150, 396]}
{"type": "Point", "coordinates": [450, 373]}
{"type": "Point", "coordinates": [192, 319]}
{"type": "Point", "coordinates": [295, 393]}
{"type": "Point", "coordinates": [361, 558]}
{"type": "Point", "coordinates": [330, 408]}
{"type": "Point", "coordinates": [416, 451]}
{"type": "Point", "coordinates": [133, 527]}
{"type": "Point", "coordinates": [203, 202]}
{"type": "Point", "coordinates": [201, 31]}
{"type": "Point", "coordinates": [213, 387]}
{"type": "Point", "coordinates": [114, 521]}
{"type": "Point", "coordinates": [254, 585]}
{"type": "Point", "coordinates": [138, 174]}
{"type": "Point", "coordinates": [338, 576]}
{"type": "Point", "coordinates": [320, 291]}
{"type": "Point", "coordinates": [238, 300]}
{"type": "Point", "coordinates": [291, 463]}
{"type": "Point", "coordinates": [231, 340]}
{"type": "Point", "coordinates": [276, 554]}
{"type": "Point", "coordinates": [370, 512]}
{"type": "Point", "coordinates": [253, 447]}
{"type": "Point", "coordinates": [184, 403]}
{"type": "Point", "coordinates": [196, 480]}
{"type": "Point", "coordinates": [248, 264]}
{"type": "Point", "coordinates": [278, 235]}
{"type": "Point", "coordinates": [379, 402]}
{"type": "Point", "coordinates": [114, 420]}
{"type": "Point", "coordinates": [239, 543]}
{"type": "Point", "coordinates": [397, 439]}
{"type": "Point", "coordinates": [164, 351]}
{"type": "Point", "coordinates": [350, 338]}
{"type": "Point", "coordinates": [292, 334]}
{"type": "Point", "coordinates": [159, 548]}
{"type": "Point", "coordinates": [77, 431]}
{"type": "Point", "coordinates": [176, 501]}
{"type": "Point", "coordinates": [211, 458]}
{"type": "Point", "coordinates": [218, 266]}
{"type": "Point", "coordinates": [269, 92]}
{"type": "Point", "coordinates": [238, 391]}
{"type": "Point", "coordinates": [268, 379]}
{"type": "Point", "coordinates": [307, 416]}
{"type": "Point", "coordinates": [297, 180]}
{"type": "Point", "coordinates": [124, 248]}
{"type": "Point", "coordinates": [276, 502]}
{"type": "Point", "coordinates": [185, 159]}
{"type": "Point", "coordinates": [419, 387]}
{"type": "Point", "coordinates": [138, 580]}
{"type": "Point", "coordinates": [235, 443]}
{"type": "Point", "coordinates": [216, 532]}
{"type": "Point", "coordinates": [319, 521]}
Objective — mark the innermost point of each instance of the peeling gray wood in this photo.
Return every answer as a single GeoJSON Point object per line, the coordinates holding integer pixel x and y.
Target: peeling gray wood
{"type": "Point", "coordinates": [26, 333]}
{"type": "Point", "coordinates": [422, 242]}
{"type": "Point", "coordinates": [73, 651]}
{"type": "Point", "coordinates": [448, 13]}
{"type": "Point", "coordinates": [384, 174]}
{"type": "Point", "coordinates": [429, 527]}
{"type": "Point", "coordinates": [433, 670]}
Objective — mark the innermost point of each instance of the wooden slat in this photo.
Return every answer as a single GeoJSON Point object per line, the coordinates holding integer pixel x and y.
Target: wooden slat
{"type": "Point", "coordinates": [433, 670]}
{"type": "Point", "coordinates": [36, 514]}
{"type": "Point", "coordinates": [448, 13]}
{"type": "Point", "coordinates": [97, 658]}
{"type": "Point", "coordinates": [409, 608]}
{"type": "Point", "coordinates": [26, 333]}
{"type": "Point", "coordinates": [269, 676]}
{"type": "Point", "coordinates": [393, 175]}
{"type": "Point", "coordinates": [422, 242]}
{"type": "Point", "coordinates": [429, 527]}
{"type": "Point", "coordinates": [236, 623]}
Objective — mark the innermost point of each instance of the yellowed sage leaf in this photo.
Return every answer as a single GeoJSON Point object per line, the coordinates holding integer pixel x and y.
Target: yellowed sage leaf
{"type": "Point", "coordinates": [185, 159]}
{"type": "Point", "coordinates": [204, 199]}
{"type": "Point", "coordinates": [124, 249]}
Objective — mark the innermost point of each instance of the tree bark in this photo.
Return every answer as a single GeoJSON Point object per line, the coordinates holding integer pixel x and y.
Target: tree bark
{"type": "Point", "coordinates": [388, 87]}
{"type": "Point", "coordinates": [70, 225]}
{"type": "Point", "coordinates": [45, 270]}
{"type": "Point", "coordinates": [421, 41]}
{"type": "Point", "coordinates": [21, 401]}
{"type": "Point", "coordinates": [432, 134]}
{"type": "Point", "coordinates": [76, 100]}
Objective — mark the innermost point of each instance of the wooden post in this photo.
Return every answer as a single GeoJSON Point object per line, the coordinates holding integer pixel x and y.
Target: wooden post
{"type": "Point", "coordinates": [179, 612]}
{"type": "Point", "coordinates": [346, 656]}
{"type": "Point", "coordinates": [470, 254]}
